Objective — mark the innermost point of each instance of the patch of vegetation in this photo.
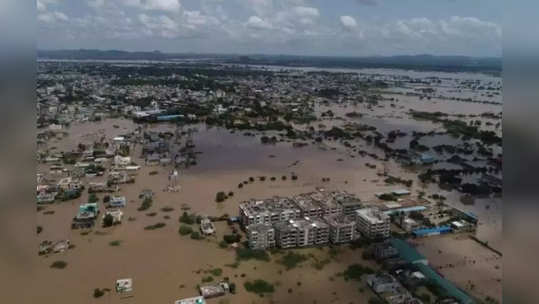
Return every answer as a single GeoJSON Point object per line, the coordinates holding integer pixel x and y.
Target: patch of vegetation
{"type": "Point", "coordinates": [185, 230]}
{"type": "Point", "coordinates": [232, 238]}
{"type": "Point", "coordinates": [195, 235]}
{"type": "Point", "coordinates": [39, 229]}
{"type": "Point", "coordinates": [115, 243]}
{"type": "Point", "coordinates": [320, 264]}
{"type": "Point", "coordinates": [207, 279]}
{"type": "Point", "coordinates": [98, 293]}
{"type": "Point", "coordinates": [167, 209]}
{"type": "Point", "coordinates": [220, 197]}
{"type": "Point", "coordinates": [292, 259]}
{"type": "Point", "coordinates": [216, 272]}
{"type": "Point", "coordinates": [356, 271]}
{"type": "Point", "coordinates": [146, 204]}
{"type": "Point", "coordinates": [151, 214]}
{"type": "Point", "coordinates": [93, 198]}
{"type": "Point", "coordinates": [59, 265]}
{"type": "Point", "coordinates": [248, 254]}
{"type": "Point", "coordinates": [155, 226]}
{"type": "Point", "coordinates": [259, 287]}
{"type": "Point", "coordinates": [187, 218]}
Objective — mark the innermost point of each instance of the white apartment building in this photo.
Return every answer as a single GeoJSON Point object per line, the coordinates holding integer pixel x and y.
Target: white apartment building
{"type": "Point", "coordinates": [373, 223]}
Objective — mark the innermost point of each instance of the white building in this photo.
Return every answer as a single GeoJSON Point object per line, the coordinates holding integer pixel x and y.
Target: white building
{"type": "Point", "coordinates": [260, 236]}
{"type": "Point", "coordinates": [373, 223]}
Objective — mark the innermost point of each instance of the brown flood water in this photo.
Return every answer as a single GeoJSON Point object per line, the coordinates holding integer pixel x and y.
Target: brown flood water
{"type": "Point", "coordinates": [161, 261]}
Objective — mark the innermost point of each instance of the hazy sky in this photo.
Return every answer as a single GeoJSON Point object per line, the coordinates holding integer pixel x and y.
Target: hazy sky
{"type": "Point", "coordinates": [310, 27]}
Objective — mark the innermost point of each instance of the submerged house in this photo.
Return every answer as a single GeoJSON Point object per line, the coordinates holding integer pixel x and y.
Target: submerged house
{"type": "Point", "coordinates": [117, 202]}
{"type": "Point", "coordinates": [86, 216]}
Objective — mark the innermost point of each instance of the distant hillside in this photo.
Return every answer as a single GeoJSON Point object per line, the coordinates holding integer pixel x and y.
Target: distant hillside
{"type": "Point", "coordinates": [416, 62]}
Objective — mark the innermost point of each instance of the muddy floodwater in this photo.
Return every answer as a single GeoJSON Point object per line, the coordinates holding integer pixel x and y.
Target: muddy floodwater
{"type": "Point", "coordinates": [166, 266]}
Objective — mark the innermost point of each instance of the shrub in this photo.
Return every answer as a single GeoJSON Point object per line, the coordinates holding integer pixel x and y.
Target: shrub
{"type": "Point", "coordinates": [292, 259]}
{"type": "Point", "coordinates": [185, 230]}
{"type": "Point", "coordinates": [216, 272]}
{"type": "Point", "coordinates": [294, 177]}
{"type": "Point", "coordinates": [259, 287]}
{"type": "Point", "coordinates": [220, 196]}
{"type": "Point", "coordinates": [247, 254]}
{"type": "Point", "coordinates": [115, 243]}
{"type": "Point", "coordinates": [167, 209]}
{"type": "Point", "coordinates": [376, 301]}
{"type": "Point", "coordinates": [223, 244]}
{"type": "Point", "coordinates": [146, 204]}
{"type": "Point", "coordinates": [231, 238]}
{"type": "Point", "coordinates": [108, 220]}
{"type": "Point", "coordinates": [356, 271]}
{"type": "Point", "coordinates": [207, 279]}
{"type": "Point", "coordinates": [195, 235]}
{"type": "Point", "coordinates": [232, 288]}
{"type": "Point", "coordinates": [59, 264]}
{"type": "Point", "coordinates": [98, 293]}
{"type": "Point", "coordinates": [106, 199]}
{"type": "Point", "coordinates": [93, 198]}
{"type": "Point", "coordinates": [155, 226]}
{"type": "Point", "coordinates": [231, 193]}
{"type": "Point", "coordinates": [240, 185]}
{"type": "Point", "coordinates": [188, 219]}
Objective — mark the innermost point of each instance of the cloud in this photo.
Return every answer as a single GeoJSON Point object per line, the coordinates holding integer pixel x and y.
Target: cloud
{"type": "Point", "coordinates": [52, 17]}
{"type": "Point", "coordinates": [256, 22]}
{"type": "Point", "coordinates": [96, 3]}
{"type": "Point", "coordinates": [367, 2]}
{"type": "Point", "coordinates": [162, 5]}
{"type": "Point", "coordinates": [348, 22]}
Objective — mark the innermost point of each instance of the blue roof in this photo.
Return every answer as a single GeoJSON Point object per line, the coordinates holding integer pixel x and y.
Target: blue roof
{"type": "Point", "coordinates": [168, 117]}
{"type": "Point", "coordinates": [406, 209]}
{"type": "Point", "coordinates": [426, 231]}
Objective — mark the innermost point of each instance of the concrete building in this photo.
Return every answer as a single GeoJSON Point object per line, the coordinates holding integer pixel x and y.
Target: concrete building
{"type": "Point", "coordinates": [384, 251]}
{"type": "Point", "coordinates": [301, 233]}
{"type": "Point", "coordinates": [260, 236]}
{"type": "Point", "coordinates": [308, 206]}
{"type": "Point", "coordinates": [349, 202]}
{"type": "Point", "coordinates": [268, 211]}
{"type": "Point", "coordinates": [342, 228]}
{"type": "Point", "coordinates": [372, 223]}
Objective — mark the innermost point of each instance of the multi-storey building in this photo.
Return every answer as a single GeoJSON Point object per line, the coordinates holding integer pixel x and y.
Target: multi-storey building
{"type": "Point", "coordinates": [350, 203]}
{"type": "Point", "coordinates": [301, 233]}
{"type": "Point", "coordinates": [342, 228]}
{"type": "Point", "coordinates": [308, 206]}
{"type": "Point", "coordinates": [260, 236]}
{"type": "Point", "coordinates": [373, 223]}
{"type": "Point", "coordinates": [268, 211]}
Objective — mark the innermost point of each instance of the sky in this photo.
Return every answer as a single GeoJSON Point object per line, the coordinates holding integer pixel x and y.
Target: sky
{"type": "Point", "coordinates": [295, 27]}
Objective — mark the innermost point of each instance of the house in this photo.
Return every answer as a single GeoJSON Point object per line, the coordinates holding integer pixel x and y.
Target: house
{"type": "Point", "coordinates": [122, 161]}
{"type": "Point", "coordinates": [214, 290]}
{"type": "Point", "coordinates": [117, 216]}
{"type": "Point", "coordinates": [383, 282]}
{"type": "Point", "coordinates": [206, 226]}
{"type": "Point", "coordinates": [124, 285]}
{"type": "Point", "coordinates": [194, 300]}
{"type": "Point", "coordinates": [117, 202]}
